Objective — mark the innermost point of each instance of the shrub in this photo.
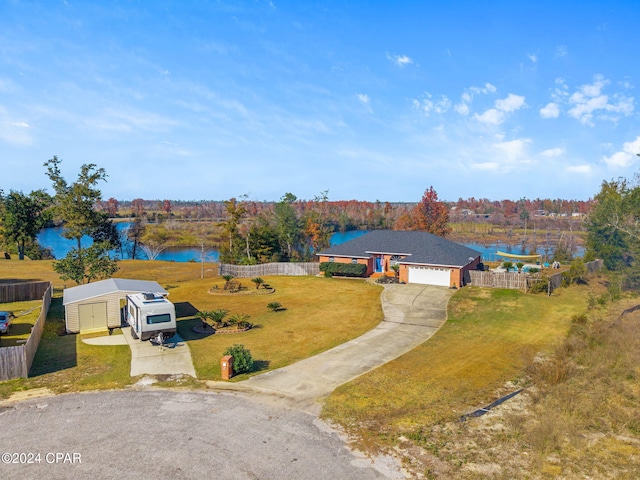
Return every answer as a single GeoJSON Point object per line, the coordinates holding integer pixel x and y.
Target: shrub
{"type": "Point", "coordinates": [242, 359]}
{"type": "Point", "coordinates": [344, 269]}
{"type": "Point", "coordinates": [274, 306]}
{"type": "Point", "coordinates": [541, 286]}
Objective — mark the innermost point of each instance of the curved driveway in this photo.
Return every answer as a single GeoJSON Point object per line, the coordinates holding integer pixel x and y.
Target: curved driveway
{"type": "Point", "coordinates": [412, 314]}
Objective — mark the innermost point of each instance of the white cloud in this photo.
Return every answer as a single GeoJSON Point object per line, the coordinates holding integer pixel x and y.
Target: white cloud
{"type": "Point", "coordinates": [485, 166]}
{"type": "Point", "coordinates": [579, 169]}
{"type": "Point", "coordinates": [561, 51]}
{"type": "Point", "coordinates": [533, 57]}
{"type": "Point", "coordinates": [364, 98]}
{"type": "Point", "coordinates": [492, 116]}
{"type": "Point", "coordinates": [550, 110]}
{"type": "Point", "coordinates": [427, 104]}
{"type": "Point", "coordinates": [511, 103]}
{"type": "Point", "coordinates": [552, 152]}
{"type": "Point", "coordinates": [589, 101]}
{"type": "Point", "coordinates": [462, 108]}
{"type": "Point", "coordinates": [514, 150]}
{"type": "Point", "coordinates": [497, 115]}
{"type": "Point", "coordinates": [21, 124]}
{"type": "Point", "coordinates": [400, 60]}
{"type": "Point", "coordinates": [626, 156]}
{"type": "Point", "coordinates": [487, 88]}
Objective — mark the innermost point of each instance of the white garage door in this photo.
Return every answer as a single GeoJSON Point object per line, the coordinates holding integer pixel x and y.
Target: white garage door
{"type": "Point", "coordinates": [430, 276]}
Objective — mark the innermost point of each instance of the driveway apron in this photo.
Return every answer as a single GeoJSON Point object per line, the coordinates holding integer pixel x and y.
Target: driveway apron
{"type": "Point", "coordinates": [412, 314]}
{"type": "Point", "coordinates": [171, 359]}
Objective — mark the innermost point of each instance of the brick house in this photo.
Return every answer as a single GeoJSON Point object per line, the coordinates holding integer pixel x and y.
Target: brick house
{"type": "Point", "coordinates": [422, 257]}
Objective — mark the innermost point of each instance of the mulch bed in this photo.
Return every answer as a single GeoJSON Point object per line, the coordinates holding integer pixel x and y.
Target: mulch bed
{"type": "Point", "coordinates": [261, 291]}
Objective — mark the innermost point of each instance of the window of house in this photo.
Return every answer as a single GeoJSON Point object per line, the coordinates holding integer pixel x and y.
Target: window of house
{"type": "Point", "coordinates": [331, 259]}
{"type": "Point", "coordinates": [354, 260]}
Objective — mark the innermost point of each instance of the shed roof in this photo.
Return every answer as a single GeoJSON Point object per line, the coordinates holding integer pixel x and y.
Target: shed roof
{"type": "Point", "coordinates": [417, 247]}
{"type": "Point", "coordinates": [110, 285]}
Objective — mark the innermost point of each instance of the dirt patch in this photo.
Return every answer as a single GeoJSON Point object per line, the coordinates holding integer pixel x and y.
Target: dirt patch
{"type": "Point", "coordinates": [29, 394]}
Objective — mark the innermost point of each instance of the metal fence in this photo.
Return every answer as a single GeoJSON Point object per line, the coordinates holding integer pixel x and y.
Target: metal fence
{"type": "Point", "coordinates": [16, 361]}
{"type": "Point", "coordinates": [280, 268]}
{"type": "Point", "coordinates": [22, 292]}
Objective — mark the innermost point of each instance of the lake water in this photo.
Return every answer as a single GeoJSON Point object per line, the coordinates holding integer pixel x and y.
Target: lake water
{"type": "Point", "coordinates": [52, 238]}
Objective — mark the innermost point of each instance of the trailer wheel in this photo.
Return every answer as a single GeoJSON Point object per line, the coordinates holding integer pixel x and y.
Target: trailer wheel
{"type": "Point", "coordinates": [134, 334]}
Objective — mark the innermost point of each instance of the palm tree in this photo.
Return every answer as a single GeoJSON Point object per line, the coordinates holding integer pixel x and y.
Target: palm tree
{"type": "Point", "coordinates": [217, 316]}
{"type": "Point", "coordinates": [227, 278]}
{"type": "Point", "coordinates": [204, 315]}
{"type": "Point", "coordinates": [258, 281]}
{"type": "Point", "coordinates": [396, 271]}
{"type": "Point", "coordinates": [240, 320]}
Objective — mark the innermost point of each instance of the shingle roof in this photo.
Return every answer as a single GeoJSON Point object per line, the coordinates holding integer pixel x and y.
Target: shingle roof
{"type": "Point", "coordinates": [420, 248]}
{"type": "Point", "coordinates": [110, 285]}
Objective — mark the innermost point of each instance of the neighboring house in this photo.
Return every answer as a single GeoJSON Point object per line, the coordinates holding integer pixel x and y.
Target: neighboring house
{"type": "Point", "coordinates": [96, 306]}
{"type": "Point", "coordinates": [422, 257]}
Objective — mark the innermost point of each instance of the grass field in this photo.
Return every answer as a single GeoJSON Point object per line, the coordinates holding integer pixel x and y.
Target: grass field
{"type": "Point", "coordinates": [26, 314]}
{"type": "Point", "coordinates": [490, 336]}
{"type": "Point", "coordinates": [319, 314]}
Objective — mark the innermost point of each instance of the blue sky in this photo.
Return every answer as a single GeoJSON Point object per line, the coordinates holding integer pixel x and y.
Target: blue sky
{"type": "Point", "coordinates": [369, 100]}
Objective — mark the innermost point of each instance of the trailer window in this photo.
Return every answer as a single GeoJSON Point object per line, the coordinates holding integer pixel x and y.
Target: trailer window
{"type": "Point", "coordinates": [165, 317]}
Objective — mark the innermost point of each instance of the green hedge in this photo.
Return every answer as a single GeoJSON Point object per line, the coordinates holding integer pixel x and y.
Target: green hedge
{"type": "Point", "coordinates": [344, 269]}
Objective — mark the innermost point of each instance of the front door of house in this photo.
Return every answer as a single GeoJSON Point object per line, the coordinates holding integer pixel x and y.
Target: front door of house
{"type": "Point", "coordinates": [378, 264]}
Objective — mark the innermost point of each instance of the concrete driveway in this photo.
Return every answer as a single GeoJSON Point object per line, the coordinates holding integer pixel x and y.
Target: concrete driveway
{"type": "Point", "coordinates": [146, 358]}
{"type": "Point", "coordinates": [412, 314]}
{"type": "Point", "coordinates": [171, 359]}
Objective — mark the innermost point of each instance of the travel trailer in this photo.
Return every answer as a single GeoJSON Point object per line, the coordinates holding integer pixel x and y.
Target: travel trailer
{"type": "Point", "coordinates": [150, 315]}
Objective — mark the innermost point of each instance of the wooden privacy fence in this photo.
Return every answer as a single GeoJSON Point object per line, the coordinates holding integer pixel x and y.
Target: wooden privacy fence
{"type": "Point", "coordinates": [512, 280]}
{"type": "Point", "coordinates": [15, 362]}
{"type": "Point", "coordinates": [22, 292]}
{"type": "Point", "coordinates": [522, 281]}
{"type": "Point", "coordinates": [279, 268]}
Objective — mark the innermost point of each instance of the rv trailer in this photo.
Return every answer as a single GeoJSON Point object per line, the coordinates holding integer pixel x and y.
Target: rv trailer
{"type": "Point", "coordinates": [149, 315]}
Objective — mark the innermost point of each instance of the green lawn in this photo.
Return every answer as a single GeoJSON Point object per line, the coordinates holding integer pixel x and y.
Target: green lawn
{"type": "Point", "coordinates": [319, 314]}
{"type": "Point", "coordinates": [26, 314]}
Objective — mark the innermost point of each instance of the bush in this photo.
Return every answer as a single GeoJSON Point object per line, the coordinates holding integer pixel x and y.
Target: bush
{"type": "Point", "coordinates": [242, 359]}
{"type": "Point", "coordinates": [344, 269]}
{"type": "Point", "coordinates": [540, 286]}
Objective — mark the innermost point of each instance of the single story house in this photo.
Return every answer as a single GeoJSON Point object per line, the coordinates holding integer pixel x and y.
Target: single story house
{"type": "Point", "coordinates": [422, 257]}
{"type": "Point", "coordinates": [96, 306]}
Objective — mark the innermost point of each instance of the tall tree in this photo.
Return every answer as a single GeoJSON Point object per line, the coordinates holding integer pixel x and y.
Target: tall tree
{"type": "Point", "coordinates": [75, 204]}
{"type": "Point", "coordinates": [429, 215]}
{"type": "Point", "coordinates": [287, 224]}
{"type": "Point", "coordinates": [23, 217]}
{"type": "Point", "coordinates": [613, 232]}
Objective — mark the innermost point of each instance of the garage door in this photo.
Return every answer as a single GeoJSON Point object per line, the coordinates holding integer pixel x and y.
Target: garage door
{"type": "Point", "coordinates": [93, 316]}
{"type": "Point", "coordinates": [430, 276]}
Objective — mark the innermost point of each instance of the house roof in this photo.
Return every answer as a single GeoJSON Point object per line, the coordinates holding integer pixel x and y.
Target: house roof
{"type": "Point", "coordinates": [110, 285]}
{"type": "Point", "coordinates": [421, 248]}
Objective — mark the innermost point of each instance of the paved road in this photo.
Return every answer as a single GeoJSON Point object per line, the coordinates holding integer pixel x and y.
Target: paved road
{"type": "Point", "coordinates": [412, 314]}
{"type": "Point", "coordinates": [161, 434]}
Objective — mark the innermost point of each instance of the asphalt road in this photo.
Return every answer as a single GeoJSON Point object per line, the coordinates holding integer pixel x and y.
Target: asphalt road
{"type": "Point", "coordinates": [158, 434]}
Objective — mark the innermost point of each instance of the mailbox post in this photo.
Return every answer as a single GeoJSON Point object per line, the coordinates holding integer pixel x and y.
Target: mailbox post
{"type": "Point", "coordinates": [226, 367]}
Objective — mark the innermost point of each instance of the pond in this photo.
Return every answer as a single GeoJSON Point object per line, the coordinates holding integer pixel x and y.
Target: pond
{"type": "Point", "coordinates": [60, 246]}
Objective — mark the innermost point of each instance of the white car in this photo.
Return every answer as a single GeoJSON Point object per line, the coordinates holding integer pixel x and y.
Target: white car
{"type": "Point", "coordinates": [5, 322]}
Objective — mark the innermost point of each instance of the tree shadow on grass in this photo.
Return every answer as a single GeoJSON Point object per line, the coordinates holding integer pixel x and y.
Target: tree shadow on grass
{"type": "Point", "coordinates": [259, 365]}
{"type": "Point", "coordinates": [185, 309]}
{"type": "Point", "coordinates": [56, 351]}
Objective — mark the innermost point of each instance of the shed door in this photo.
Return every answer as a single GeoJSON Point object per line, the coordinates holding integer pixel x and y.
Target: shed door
{"type": "Point", "coordinates": [430, 276]}
{"type": "Point", "coordinates": [93, 316]}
